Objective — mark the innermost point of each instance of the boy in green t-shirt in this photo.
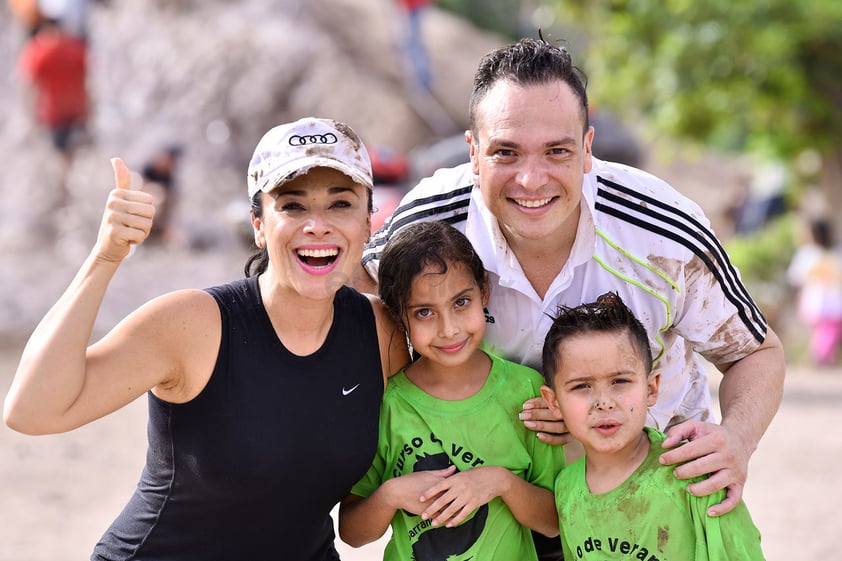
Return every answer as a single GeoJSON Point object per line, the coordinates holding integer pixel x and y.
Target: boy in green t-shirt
{"type": "Point", "coordinates": [456, 473]}
{"type": "Point", "coordinates": [618, 501]}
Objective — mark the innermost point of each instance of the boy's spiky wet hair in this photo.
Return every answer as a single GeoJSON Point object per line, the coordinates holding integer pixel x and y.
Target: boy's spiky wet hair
{"type": "Point", "coordinates": [608, 314]}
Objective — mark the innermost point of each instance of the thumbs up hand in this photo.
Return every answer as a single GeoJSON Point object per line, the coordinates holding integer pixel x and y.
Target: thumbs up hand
{"type": "Point", "coordinates": [127, 219]}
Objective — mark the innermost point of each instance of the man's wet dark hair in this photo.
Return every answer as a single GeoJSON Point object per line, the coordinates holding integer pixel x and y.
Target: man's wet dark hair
{"type": "Point", "coordinates": [528, 62]}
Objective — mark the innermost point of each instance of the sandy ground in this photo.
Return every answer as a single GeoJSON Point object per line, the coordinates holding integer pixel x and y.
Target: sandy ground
{"type": "Point", "coordinates": [58, 493]}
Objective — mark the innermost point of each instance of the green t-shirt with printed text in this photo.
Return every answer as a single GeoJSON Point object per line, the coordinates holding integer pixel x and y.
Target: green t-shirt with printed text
{"type": "Point", "coordinates": [419, 432]}
{"type": "Point", "coordinates": [649, 517]}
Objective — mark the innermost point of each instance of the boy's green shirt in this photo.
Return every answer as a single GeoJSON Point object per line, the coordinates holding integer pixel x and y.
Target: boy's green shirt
{"type": "Point", "coordinates": [650, 517]}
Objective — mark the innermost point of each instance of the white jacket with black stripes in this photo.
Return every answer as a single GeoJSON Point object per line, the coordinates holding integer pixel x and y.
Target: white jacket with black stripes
{"type": "Point", "coordinates": [637, 236]}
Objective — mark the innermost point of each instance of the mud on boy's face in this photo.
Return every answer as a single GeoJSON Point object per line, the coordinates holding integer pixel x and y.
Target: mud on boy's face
{"type": "Point", "coordinates": [601, 389]}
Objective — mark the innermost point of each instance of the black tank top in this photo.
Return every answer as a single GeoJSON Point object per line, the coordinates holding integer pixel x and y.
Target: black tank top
{"type": "Point", "coordinates": [251, 467]}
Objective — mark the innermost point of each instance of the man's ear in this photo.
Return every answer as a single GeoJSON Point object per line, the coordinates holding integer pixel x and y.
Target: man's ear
{"type": "Point", "coordinates": [587, 141]}
{"type": "Point", "coordinates": [552, 403]}
{"type": "Point", "coordinates": [473, 151]}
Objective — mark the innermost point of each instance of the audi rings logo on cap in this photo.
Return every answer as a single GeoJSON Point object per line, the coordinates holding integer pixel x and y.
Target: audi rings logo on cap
{"type": "Point", "coordinates": [301, 140]}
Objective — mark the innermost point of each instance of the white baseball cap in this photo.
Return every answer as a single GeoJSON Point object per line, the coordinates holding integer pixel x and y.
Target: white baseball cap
{"type": "Point", "coordinates": [292, 149]}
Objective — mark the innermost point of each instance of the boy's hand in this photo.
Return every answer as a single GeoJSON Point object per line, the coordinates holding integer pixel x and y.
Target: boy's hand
{"type": "Point", "coordinates": [538, 417]}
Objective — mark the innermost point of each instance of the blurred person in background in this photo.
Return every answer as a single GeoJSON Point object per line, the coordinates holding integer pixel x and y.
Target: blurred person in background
{"type": "Point", "coordinates": [73, 14]}
{"type": "Point", "coordinates": [159, 173]}
{"type": "Point", "coordinates": [414, 50]}
{"type": "Point", "coordinates": [27, 13]}
{"type": "Point", "coordinates": [815, 272]}
{"type": "Point", "coordinates": [237, 466]}
{"type": "Point", "coordinates": [54, 63]}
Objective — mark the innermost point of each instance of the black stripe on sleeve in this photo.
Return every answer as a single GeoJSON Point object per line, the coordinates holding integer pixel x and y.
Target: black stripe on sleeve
{"type": "Point", "coordinates": [454, 210]}
{"type": "Point", "coordinates": [690, 229]}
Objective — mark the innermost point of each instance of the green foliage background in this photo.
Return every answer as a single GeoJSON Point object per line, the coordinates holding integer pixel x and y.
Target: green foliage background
{"type": "Point", "coordinates": [756, 75]}
{"type": "Point", "coordinates": [762, 255]}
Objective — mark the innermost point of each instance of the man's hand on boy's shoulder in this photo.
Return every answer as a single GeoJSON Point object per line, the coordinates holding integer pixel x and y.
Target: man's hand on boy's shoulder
{"type": "Point", "coordinates": [708, 449]}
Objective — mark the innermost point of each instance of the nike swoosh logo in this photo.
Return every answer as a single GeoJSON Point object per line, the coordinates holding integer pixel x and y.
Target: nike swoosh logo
{"type": "Point", "coordinates": [346, 392]}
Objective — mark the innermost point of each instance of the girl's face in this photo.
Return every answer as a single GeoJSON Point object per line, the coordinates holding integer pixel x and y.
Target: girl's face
{"type": "Point", "coordinates": [444, 315]}
{"type": "Point", "coordinates": [602, 391]}
{"type": "Point", "coordinates": [314, 228]}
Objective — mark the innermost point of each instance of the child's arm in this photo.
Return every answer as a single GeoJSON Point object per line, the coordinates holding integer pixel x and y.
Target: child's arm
{"type": "Point", "coordinates": [456, 497]}
{"type": "Point", "coordinates": [363, 520]}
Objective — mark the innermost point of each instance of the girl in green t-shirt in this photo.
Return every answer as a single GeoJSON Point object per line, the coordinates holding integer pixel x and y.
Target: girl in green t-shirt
{"type": "Point", "coordinates": [456, 475]}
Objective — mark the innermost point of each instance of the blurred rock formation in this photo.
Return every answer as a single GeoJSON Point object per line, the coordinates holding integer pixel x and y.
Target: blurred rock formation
{"type": "Point", "coordinates": [211, 76]}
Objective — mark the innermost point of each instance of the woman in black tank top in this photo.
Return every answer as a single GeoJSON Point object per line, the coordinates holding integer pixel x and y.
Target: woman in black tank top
{"type": "Point", "coordinates": [263, 393]}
